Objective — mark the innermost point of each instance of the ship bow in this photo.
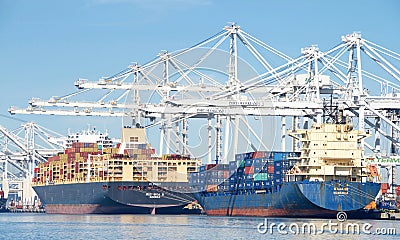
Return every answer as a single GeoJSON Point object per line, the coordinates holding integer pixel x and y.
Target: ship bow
{"type": "Point", "coordinates": [339, 196]}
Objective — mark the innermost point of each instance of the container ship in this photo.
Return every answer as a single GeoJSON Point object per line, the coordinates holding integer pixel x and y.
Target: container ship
{"type": "Point", "coordinates": [328, 175]}
{"type": "Point", "coordinates": [87, 178]}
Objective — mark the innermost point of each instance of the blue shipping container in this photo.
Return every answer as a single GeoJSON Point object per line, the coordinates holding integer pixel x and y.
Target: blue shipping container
{"type": "Point", "coordinates": [278, 156]}
{"type": "Point", "coordinates": [202, 168]}
{"type": "Point", "coordinates": [249, 185]}
{"type": "Point", "coordinates": [277, 181]}
{"type": "Point", "coordinates": [232, 165]}
{"type": "Point", "coordinates": [278, 165]}
{"type": "Point", "coordinates": [257, 161]}
{"type": "Point", "coordinates": [249, 163]}
{"type": "Point", "coordinates": [267, 183]}
{"type": "Point", "coordinates": [240, 156]}
{"type": "Point", "coordinates": [248, 155]}
{"type": "Point", "coordinates": [257, 169]}
{"type": "Point", "coordinates": [233, 178]}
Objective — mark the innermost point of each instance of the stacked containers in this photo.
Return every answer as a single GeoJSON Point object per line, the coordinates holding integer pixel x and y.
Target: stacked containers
{"type": "Point", "coordinates": [249, 171]}
{"type": "Point", "coordinates": [233, 176]}
{"type": "Point", "coordinates": [263, 168]}
{"type": "Point", "coordinates": [210, 178]}
{"type": "Point", "coordinates": [194, 181]}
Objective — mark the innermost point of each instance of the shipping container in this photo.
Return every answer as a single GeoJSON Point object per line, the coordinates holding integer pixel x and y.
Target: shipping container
{"type": "Point", "coordinates": [232, 186]}
{"type": "Point", "coordinates": [232, 165]}
{"type": "Point", "coordinates": [277, 181]}
{"type": "Point", "coordinates": [257, 162]}
{"type": "Point", "coordinates": [249, 185]}
{"type": "Point", "coordinates": [241, 164]}
{"type": "Point", "coordinates": [226, 174]}
{"type": "Point", "coordinates": [258, 185]}
{"type": "Point", "coordinates": [248, 170]}
{"type": "Point", "coordinates": [257, 169]}
{"type": "Point", "coordinates": [212, 188]}
{"type": "Point", "coordinates": [260, 176]}
{"type": "Point", "coordinates": [278, 164]}
{"type": "Point", "coordinates": [240, 156]}
{"type": "Point", "coordinates": [384, 186]}
{"type": "Point", "coordinates": [278, 156]}
{"type": "Point", "coordinates": [267, 183]}
{"type": "Point", "coordinates": [248, 155]}
{"type": "Point", "coordinates": [260, 154]}
{"type": "Point", "coordinates": [248, 163]}
{"type": "Point", "coordinates": [222, 188]}
{"type": "Point", "coordinates": [233, 178]}
{"type": "Point", "coordinates": [232, 171]}
{"type": "Point", "coordinates": [248, 176]}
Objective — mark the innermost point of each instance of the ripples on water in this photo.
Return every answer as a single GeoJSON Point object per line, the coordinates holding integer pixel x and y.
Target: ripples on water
{"type": "Point", "coordinates": [48, 226]}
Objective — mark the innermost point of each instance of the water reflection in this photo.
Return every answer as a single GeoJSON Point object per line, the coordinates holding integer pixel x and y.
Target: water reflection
{"type": "Point", "coordinates": [44, 226]}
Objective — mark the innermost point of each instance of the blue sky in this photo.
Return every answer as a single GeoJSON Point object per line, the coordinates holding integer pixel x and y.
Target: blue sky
{"type": "Point", "coordinates": [46, 45]}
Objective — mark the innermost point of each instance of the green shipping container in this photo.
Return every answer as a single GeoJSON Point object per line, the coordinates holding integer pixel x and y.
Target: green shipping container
{"type": "Point", "coordinates": [241, 163]}
{"type": "Point", "coordinates": [260, 176]}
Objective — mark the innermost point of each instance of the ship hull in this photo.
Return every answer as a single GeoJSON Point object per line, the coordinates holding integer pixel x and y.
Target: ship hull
{"type": "Point", "coordinates": [286, 200]}
{"type": "Point", "coordinates": [109, 198]}
{"type": "Point", "coordinates": [161, 197]}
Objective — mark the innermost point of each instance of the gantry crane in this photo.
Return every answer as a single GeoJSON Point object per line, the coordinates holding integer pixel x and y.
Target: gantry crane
{"type": "Point", "coordinates": [21, 150]}
{"type": "Point", "coordinates": [236, 95]}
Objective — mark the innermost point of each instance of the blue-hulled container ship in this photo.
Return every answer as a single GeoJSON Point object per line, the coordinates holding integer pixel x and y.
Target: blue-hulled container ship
{"type": "Point", "coordinates": [327, 176]}
{"type": "Point", "coordinates": [90, 178]}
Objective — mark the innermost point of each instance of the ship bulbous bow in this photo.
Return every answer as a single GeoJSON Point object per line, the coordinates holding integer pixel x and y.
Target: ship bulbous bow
{"type": "Point", "coordinates": [339, 195]}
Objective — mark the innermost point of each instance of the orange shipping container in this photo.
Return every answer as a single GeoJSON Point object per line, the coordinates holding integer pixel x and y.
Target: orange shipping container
{"type": "Point", "coordinates": [260, 154]}
{"type": "Point", "coordinates": [385, 186]}
{"type": "Point", "coordinates": [249, 170]}
{"type": "Point", "coordinates": [226, 174]}
{"type": "Point", "coordinates": [212, 188]}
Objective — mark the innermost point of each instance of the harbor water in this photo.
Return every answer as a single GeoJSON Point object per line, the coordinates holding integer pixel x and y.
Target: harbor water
{"type": "Point", "coordinates": [54, 226]}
